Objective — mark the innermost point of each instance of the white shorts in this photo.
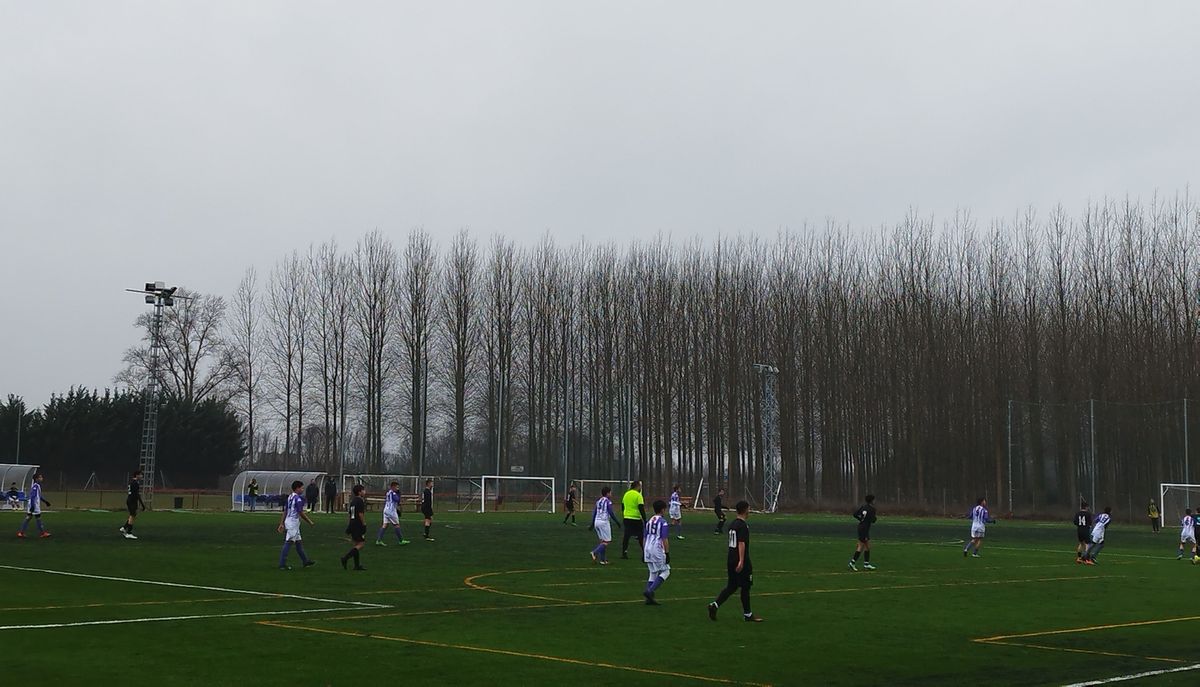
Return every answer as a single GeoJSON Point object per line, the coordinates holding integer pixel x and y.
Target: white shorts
{"type": "Point", "coordinates": [658, 569]}
{"type": "Point", "coordinates": [291, 530]}
{"type": "Point", "coordinates": [1098, 538]}
{"type": "Point", "coordinates": [603, 530]}
{"type": "Point", "coordinates": [673, 512]}
{"type": "Point", "coordinates": [977, 533]}
{"type": "Point", "coordinates": [390, 519]}
{"type": "Point", "coordinates": [1187, 540]}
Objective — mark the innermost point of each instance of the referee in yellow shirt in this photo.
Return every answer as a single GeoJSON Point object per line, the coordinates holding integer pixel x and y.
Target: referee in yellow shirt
{"type": "Point", "coordinates": [634, 507]}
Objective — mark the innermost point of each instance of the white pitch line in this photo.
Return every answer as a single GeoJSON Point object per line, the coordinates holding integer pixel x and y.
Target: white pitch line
{"type": "Point", "coordinates": [127, 621]}
{"type": "Point", "coordinates": [1135, 676]}
{"type": "Point", "coordinates": [251, 592]}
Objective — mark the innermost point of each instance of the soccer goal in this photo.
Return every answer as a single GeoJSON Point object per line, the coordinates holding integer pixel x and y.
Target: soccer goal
{"type": "Point", "coordinates": [377, 484]}
{"type": "Point", "coordinates": [589, 491]}
{"type": "Point", "coordinates": [1173, 498]}
{"type": "Point", "coordinates": [516, 494]}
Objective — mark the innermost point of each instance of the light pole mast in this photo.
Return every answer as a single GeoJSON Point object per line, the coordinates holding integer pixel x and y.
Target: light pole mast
{"type": "Point", "coordinates": [770, 428]}
{"type": "Point", "coordinates": [158, 295]}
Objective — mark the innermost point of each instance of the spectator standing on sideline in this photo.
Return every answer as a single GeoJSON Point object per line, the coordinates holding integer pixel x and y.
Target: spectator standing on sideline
{"type": "Point", "coordinates": [330, 493]}
{"type": "Point", "coordinates": [252, 493]}
{"type": "Point", "coordinates": [311, 494]}
{"type": "Point", "coordinates": [1152, 511]}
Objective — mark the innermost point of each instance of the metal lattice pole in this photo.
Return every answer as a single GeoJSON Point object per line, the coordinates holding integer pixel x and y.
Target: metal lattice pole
{"type": "Point", "coordinates": [150, 416]}
{"type": "Point", "coordinates": [772, 463]}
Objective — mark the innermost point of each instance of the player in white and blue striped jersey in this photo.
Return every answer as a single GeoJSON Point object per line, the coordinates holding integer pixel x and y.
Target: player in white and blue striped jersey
{"type": "Point", "coordinates": [1098, 529]}
{"type": "Point", "coordinates": [1187, 533]}
{"type": "Point", "coordinates": [656, 551]}
{"type": "Point", "coordinates": [391, 515]}
{"type": "Point", "coordinates": [34, 508]}
{"type": "Point", "coordinates": [980, 519]}
{"type": "Point", "coordinates": [601, 514]}
{"type": "Point", "coordinates": [675, 512]}
{"type": "Point", "coordinates": [289, 523]}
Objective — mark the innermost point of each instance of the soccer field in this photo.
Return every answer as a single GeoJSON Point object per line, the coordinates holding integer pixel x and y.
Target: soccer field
{"type": "Point", "coordinates": [515, 599]}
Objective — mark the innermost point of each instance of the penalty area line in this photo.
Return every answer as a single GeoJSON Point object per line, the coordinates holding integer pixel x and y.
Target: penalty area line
{"type": "Point", "coordinates": [160, 619]}
{"type": "Point", "coordinates": [1135, 676]}
{"type": "Point", "coordinates": [180, 585]}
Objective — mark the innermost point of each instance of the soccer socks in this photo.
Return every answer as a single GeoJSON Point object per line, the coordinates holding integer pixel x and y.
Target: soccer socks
{"type": "Point", "coordinates": [653, 586]}
{"type": "Point", "coordinates": [382, 531]}
{"type": "Point", "coordinates": [399, 536]}
{"type": "Point", "coordinates": [856, 555]}
{"type": "Point", "coordinates": [352, 553]}
{"type": "Point", "coordinates": [746, 602]}
{"type": "Point", "coordinates": [300, 550]}
{"type": "Point", "coordinates": [24, 524]}
{"type": "Point", "coordinates": [427, 531]}
{"type": "Point", "coordinates": [866, 556]}
{"type": "Point", "coordinates": [283, 554]}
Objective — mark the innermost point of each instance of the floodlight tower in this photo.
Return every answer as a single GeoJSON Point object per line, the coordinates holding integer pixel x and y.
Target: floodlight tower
{"type": "Point", "coordinates": [158, 295]}
{"type": "Point", "coordinates": [772, 463]}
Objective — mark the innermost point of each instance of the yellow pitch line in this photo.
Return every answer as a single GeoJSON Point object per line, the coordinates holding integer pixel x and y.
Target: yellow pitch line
{"type": "Point", "coordinates": [1081, 651]}
{"type": "Point", "coordinates": [1092, 628]}
{"type": "Point", "coordinates": [118, 603]}
{"type": "Point", "coordinates": [507, 652]}
{"type": "Point", "coordinates": [414, 591]}
{"type": "Point", "coordinates": [470, 582]}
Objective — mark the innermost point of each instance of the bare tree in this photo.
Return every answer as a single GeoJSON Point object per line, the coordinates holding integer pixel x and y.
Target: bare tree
{"type": "Point", "coordinates": [416, 300]}
{"type": "Point", "coordinates": [460, 320]}
{"type": "Point", "coordinates": [374, 317]}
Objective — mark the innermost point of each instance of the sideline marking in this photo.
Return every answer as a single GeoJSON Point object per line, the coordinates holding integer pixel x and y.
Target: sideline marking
{"type": "Point", "coordinates": [251, 592]}
{"type": "Point", "coordinates": [1091, 628]}
{"type": "Point", "coordinates": [507, 652]}
{"type": "Point", "coordinates": [1135, 676]}
{"type": "Point", "coordinates": [128, 621]}
{"type": "Point", "coordinates": [1003, 640]}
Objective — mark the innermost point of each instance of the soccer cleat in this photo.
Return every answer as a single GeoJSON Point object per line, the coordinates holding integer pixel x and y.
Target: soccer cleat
{"type": "Point", "coordinates": [650, 599]}
{"type": "Point", "coordinates": [44, 535]}
{"type": "Point", "coordinates": [429, 539]}
{"type": "Point", "coordinates": [404, 542]}
{"type": "Point", "coordinates": [574, 524]}
{"type": "Point", "coordinates": [379, 542]}
{"type": "Point", "coordinates": [679, 537]}
{"type": "Point", "coordinates": [285, 567]}
{"type": "Point", "coordinates": [1078, 560]}
{"type": "Point", "coordinates": [20, 535]}
{"type": "Point", "coordinates": [868, 566]}
{"type": "Point", "coordinates": [309, 564]}
{"type": "Point", "coordinates": [752, 618]}
{"type": "Point", "coordinates": [976, 555]}
{"type": "Point", "coordinates": [964, 553]}
{"type": "Point", "coordinates": [121, 529]}
{"type": "Point", "coordinates": [851, 566]}
{"type": "Point", "coordinates": [712, 610]}
{"type": "Point", "coordinates": [1089, 562]}
{"type": "Point", "coordinates": [130, 535]}
{"type": "Point", "coordinates": [1179, 557]}
{"type": "Point", "coordinates": [594, 559]}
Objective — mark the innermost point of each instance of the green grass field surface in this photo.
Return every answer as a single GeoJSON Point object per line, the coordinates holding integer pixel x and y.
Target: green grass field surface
{"type": "Point", "coordinates": [514, 599]}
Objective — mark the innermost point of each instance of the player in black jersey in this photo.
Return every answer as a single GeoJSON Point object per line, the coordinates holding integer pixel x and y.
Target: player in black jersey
{"type": "Point", "coordinates": [865, 515]}
{"type": "Point", "coordinates": [719, 509]}
{"type": "Point", "coordinates": [357, 527]}
{"type": "Point", "coordinates": [741, 572]}
{"type": "Point", "coordinates": [132, 500]}
{"type": "Point", "coordinates": [427, 507]}
{"type": "Point", "coordinates": [569, 505]}
{"type": "Point", "coordinates": [1083, 531]}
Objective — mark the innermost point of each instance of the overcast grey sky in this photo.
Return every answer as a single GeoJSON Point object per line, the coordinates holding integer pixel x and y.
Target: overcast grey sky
{"type": "Point", "coordinates": [185, 141]}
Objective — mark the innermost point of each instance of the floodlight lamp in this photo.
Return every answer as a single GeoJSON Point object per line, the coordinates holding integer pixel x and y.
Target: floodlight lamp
{"type": "Point", "coordinates": [149, 286]}
{"type": "Point", "coordinates": [160, 285]}
{"type": "Point", "coordinates": [150, 299]}
{"type": "Point", "coordinates": [168, 302]}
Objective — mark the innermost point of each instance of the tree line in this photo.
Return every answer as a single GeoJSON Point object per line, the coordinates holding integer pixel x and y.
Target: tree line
{"type": "Point", "coordinates": [85, 435]}
{"type": "Point", "coordinates": [898, 352]}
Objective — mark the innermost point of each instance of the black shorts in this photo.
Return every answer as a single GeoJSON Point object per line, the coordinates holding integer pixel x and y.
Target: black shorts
{"type": "Point", "coordinates": [427, 512]}
{"type": "Point", "coordinates": [1084, 534]}
{"type": "Point", "coordinates": [357, 533]}
{"type": "Point", "coordinates": [570, 507]}
{"type": "Point", "coordinates": [742, 579]}
{"type": "Point", "coordinates": [720, 514]}
{"type": "Point", "coordinates": [132, 507]}
{"type": "Point", "coordinates": [864, 536]}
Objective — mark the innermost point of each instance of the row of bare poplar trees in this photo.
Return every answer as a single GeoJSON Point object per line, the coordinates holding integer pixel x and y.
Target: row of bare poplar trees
{"type": "Point", "coordinates": [898, 351]}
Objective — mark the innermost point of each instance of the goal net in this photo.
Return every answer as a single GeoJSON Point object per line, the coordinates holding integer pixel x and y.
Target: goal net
{"type": "Point", "coordinates": [1174, 498]}
{"type": "Point", "coordinates": [377, 484]}
{"type": "Point", "coordinates": [588, 490]}
{"type": "Point", "coordinates": [516, 494]}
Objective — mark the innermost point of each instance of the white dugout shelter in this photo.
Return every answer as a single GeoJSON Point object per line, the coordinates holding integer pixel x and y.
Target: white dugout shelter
{"type": "Point", "coordinates": [21, 474]}
{"type": "Point", "coordinates": [274, 486]}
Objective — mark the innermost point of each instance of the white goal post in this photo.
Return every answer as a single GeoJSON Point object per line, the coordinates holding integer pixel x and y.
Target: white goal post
{"type": "Point", "coordinates": [1174, 498]}
{"type": "Point", "coordinates": [589, 490]}
{"type": "Point", "coordinates": [506, 492]}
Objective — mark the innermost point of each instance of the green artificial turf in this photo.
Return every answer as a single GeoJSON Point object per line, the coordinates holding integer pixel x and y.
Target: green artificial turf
{"type": "Point", "coordinates": [514, 599]}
